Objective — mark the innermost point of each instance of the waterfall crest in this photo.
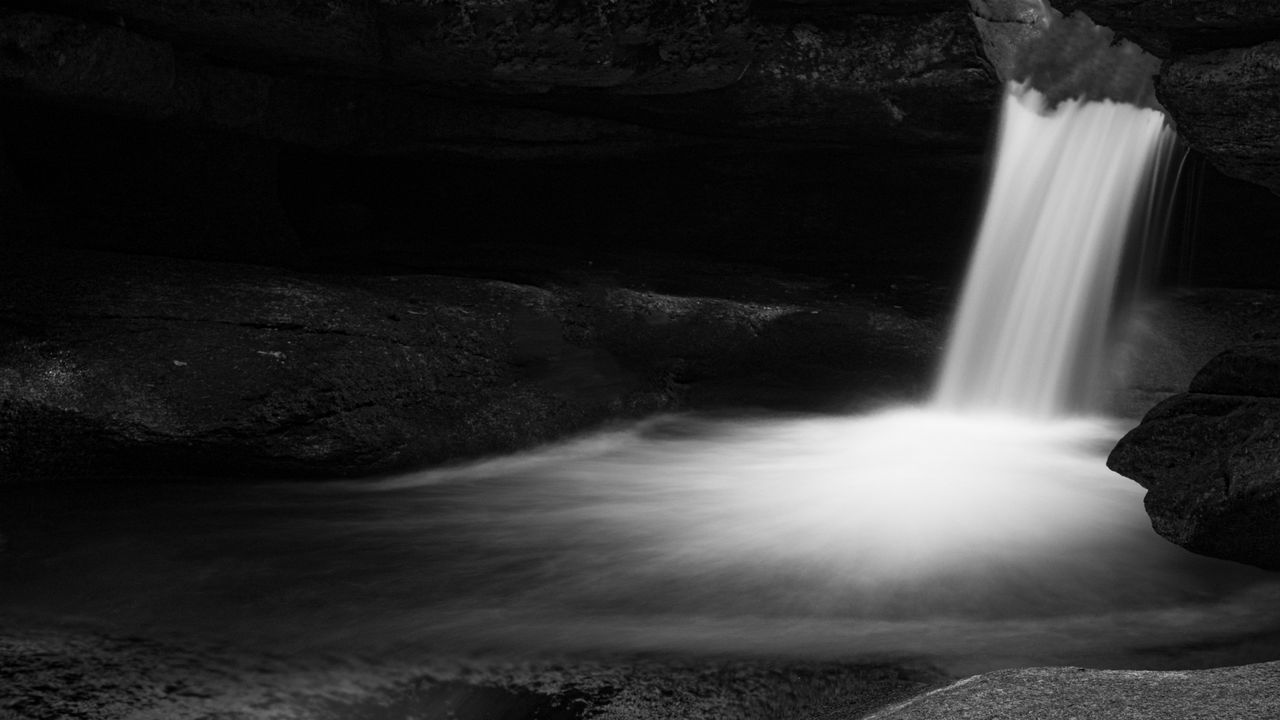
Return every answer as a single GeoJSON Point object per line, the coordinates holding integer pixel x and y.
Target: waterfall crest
{"type": "Point", "coordinates": [1071, 184]}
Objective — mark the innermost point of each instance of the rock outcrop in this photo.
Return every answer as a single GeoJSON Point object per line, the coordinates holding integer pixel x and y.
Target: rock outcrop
{"type": "Point", "coordinates": [56, 674]}
{"type": "Point", "coordinates": [125, 366]}
{"type": "Point", "coordinates": [1227, 105]}
{"type": "Point", "coordinates": [510, 77]}
{"type": "Point", "coordinates": [1220, 77]}
{"type": "Point", "coordinates": [1248, 692]}
{"type": "Point", "coordinates": [1210, 459]}
{"type": "Point", "coordinates": [1063, 57]}
{"type": "Point", "coordinates": [1170, 29]}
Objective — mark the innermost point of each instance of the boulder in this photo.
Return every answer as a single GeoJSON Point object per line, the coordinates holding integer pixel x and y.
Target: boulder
{"type": "Point", "coordinates": [1063, 57]}
{"type": "Point", "coordinates": [1210, 459]}
{"type": "Point", "coordinates": [1226, 103]}
{"type": "Point", "coordinates": [1170, 29]}
{"type": "Point", "coordinates": [71, 672]}
{"type": "Point", "coordinates": [1218, 81]}
{"type": "Point", "coordinates": [1248, 692]}
{"type": "Point", "coordinates": [119, 366]}
{"type": "Point", "coordinates": [1248, 369]}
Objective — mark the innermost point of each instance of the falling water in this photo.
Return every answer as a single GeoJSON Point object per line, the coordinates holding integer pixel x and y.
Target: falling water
{"type": "Point", "coordinates": [1067, 193]}
{"type": "Point", "coordinates": [980, 539]}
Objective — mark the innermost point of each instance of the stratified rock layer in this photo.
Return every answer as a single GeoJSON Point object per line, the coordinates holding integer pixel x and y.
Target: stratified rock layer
{"type": "Point", "coordinates": [1227, 105]}
{"type": "Point", "coordinates": [1210, 459]}
{"type": "Point", "coordinates": [509, 77]}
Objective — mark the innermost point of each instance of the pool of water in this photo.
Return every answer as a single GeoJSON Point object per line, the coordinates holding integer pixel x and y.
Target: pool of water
{"type": "Point", "coordinates": [972, 541]}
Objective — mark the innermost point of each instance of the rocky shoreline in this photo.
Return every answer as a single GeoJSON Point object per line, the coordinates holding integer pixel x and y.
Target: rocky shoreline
{"type": "Point", "coordinates": [82, 675]}
{"type": "Point", "coordinates": [114, 365]}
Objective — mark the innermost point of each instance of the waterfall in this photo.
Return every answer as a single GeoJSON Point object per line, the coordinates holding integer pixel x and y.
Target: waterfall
{"type": "Point", "coordinates": [1071, 184]}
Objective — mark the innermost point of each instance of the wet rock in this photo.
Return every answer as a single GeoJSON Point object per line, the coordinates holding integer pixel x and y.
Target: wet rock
{"type": "Point", "coordinates": [1248, 692]}
{"type": "Point", "coordinates": [1007, 29]}
{"type": "Point", "coordinates": [119, 366]}
{"type": "Point", "coordinates": [1218, 81]}
{"type": "Point", "coordinates": [1064, 57]}
{"type": "Point", "coordinates": [1176, 28]}
{"type": "Point", "coordinates": [1227, 105]}
{"type": "Point", "coordinates": [1210, 459]}
{"type": "Point", "coordinates": [51, 673]}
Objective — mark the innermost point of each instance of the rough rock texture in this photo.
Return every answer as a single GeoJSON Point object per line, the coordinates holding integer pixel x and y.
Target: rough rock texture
{"type": "Point", "coordinates": [1227, 105]}
{"type": "Point", "coordinates": [77, 675]}
{"type": "Point", "coordinates": [1063, 57]}
{"type": "Point", "coordinates": [111, 365]}
{"type": "Point", "coordinates": [1251, 369]}
{"type": "Point", "coordinates": [394, 75]}
{"type": "Point", "coordinates": [1177, 28]}
{"type": "Point", "coordinates": [1007, 29]}
{"type": "Point", "coordinates": [1249, 692]}
{"type": "Point", "coordinates": [1210, 459]}
{"type": "Point", "coordinates": [1220, 77]}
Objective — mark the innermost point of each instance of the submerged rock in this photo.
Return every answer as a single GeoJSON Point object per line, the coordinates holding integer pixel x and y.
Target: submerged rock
{"type": "Point", "coordinates": [1210, 459]}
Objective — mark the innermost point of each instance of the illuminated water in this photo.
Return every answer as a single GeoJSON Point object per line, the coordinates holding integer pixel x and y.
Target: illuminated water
{"type": "Point", "coordinates": [981, 531]}
{"type": "Point", "coordinates": [977, 543]}
{"type": "Point", "coordinates": [1068, 190]}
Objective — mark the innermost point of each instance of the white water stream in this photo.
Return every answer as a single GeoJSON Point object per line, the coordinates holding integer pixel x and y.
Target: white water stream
{"type": "Point", "coordinates": [1068, 190]}
{"type": "Point", "coordinates": [983, 529]}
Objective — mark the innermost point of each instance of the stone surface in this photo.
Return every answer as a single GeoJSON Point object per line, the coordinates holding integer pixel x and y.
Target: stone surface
{"type": "Point", "coordinates": [1210, 459]}
{"type": "Point", "coordinates": [119, 366]}
{"type": "Point", "coordinates": [1226, 103]}
{"type": "Point", "coordinates": [56, 674]}
{"type": "Point", "coordinates": [1176, 28]}
{"type": "Point", "coordinates": [395, 76]}
{"type": "Point", "coordinates": [1064, 57]}
{"type": "Point", "coordinates": [1219, 80]}
{"type": "Point", "coordinates": [1250, 692]}
{"type": "Point", "coordinates": [1249, 369]}
{"type": "Point", "coordinates": [1007, 29]}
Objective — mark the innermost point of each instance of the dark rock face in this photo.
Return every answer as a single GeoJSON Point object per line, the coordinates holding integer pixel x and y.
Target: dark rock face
{"type": "Point", "coordinates": [1227, 105]}
{"type": "Point", "coordinates": [1210, 459]}
{"type": "Point", "coordinates": [1252, 369]}
{"type": "Point", "coordinates": [1064, 58]}
{"type": "Point", "coordinates": [117, 366]}
{"type": "Point", "coordinates": [1076, 693]}
{"type": "Point", "coordinates": [1218, 81]}
{"type": "Point", "coordinates": [52, 674]}
{"type": "Point", "coordinates": [1178, 28]}
{"type": "Point", "coordinates": [196, 129]}
{"type": "Point", "coordinates": [395, 76]}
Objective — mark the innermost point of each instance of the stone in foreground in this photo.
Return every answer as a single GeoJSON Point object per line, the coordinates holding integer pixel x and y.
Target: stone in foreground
{"type": "Point", "coordinates": [1239, 693]}
{"type": "Point", "coordinates": [1210, 459]}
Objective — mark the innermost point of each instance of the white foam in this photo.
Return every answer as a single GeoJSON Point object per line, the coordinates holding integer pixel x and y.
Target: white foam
{"type": "Point", "coordinates": [1030, 335]}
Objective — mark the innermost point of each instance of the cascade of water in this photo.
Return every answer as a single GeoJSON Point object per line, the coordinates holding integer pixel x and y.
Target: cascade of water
{"type": "Point", "coordinates": [1067, 191]}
